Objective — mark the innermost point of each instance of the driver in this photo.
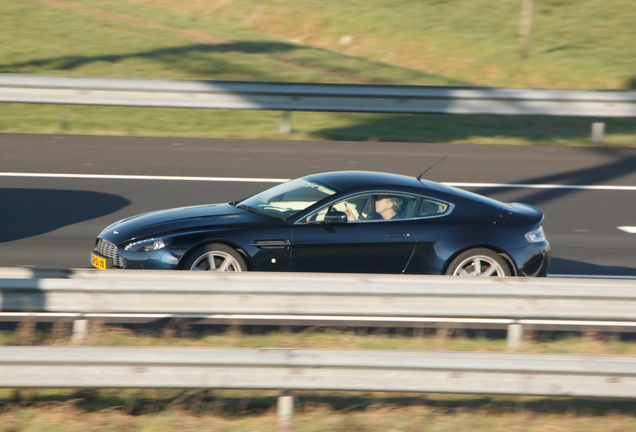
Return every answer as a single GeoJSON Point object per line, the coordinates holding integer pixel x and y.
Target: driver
{"type": "Point", "coordinates": [386, 207]}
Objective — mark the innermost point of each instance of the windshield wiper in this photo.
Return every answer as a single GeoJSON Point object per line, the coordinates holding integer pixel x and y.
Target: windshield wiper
{"type": "Point", "coordinates": [248, 209]}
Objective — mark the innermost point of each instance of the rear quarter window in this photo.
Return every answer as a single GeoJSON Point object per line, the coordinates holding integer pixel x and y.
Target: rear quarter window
{"type": "Point", "coordinates": [430, 207]}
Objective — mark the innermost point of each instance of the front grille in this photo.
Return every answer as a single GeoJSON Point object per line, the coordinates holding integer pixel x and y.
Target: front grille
{"type": "Point", "coordinates": [109, 250]}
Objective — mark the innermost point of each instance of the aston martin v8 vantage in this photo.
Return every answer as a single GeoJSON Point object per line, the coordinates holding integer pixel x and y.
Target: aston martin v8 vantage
{"type": "Point", "coordinates": [350, 221]}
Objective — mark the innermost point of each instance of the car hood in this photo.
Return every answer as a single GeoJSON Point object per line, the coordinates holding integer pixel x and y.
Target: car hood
{"type": "Point", "coordinates": [166, 222]}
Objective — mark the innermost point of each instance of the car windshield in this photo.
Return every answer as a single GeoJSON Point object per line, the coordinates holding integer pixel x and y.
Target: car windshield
{"type": "Point", "coordinates": [287, 199]}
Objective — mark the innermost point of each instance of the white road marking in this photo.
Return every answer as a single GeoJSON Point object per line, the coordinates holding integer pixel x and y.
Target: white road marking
{"type": "Point", "coordinates": [279, 180]}
{"type": "Point", "coordinates": [631, 230]}
{"type": "Point", "coordinates": [141, 177]}
{"type": "Point", "coordinates": [589, 276]}
{"type": "Point", "coordinates": [543, 186]}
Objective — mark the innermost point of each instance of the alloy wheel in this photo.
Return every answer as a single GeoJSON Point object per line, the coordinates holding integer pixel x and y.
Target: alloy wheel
{"type": "Point", "coordinates": [479, 266]}
{"type": "Point", "coordinates": [216, 261]}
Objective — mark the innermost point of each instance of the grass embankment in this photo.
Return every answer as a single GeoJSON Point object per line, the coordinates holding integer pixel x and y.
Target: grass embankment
{"type": "Point", "coordinates": [168, 410]}
{"type": "Point", "coordinates": [583, 44]}
{"type": "Point", "coordinates": [220, 411]}
{"type": "Point", "coordinates": [179, 334]}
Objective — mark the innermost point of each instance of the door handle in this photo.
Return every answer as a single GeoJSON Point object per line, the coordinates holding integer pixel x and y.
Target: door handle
{"type": "Point", "coordinates": [398, 235]}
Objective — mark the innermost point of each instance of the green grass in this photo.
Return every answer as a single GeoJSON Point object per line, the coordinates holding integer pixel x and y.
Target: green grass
{"type": "Point", "coordinates": [575, 44]}
{"type": "Point", "coordinates": [180, 333]}
{"type": "Point", "coordinates": [583, 44]}
{"type": "Point", "coordinates": [192, 410]}
{"type": "Point", "coordinates": [23, 118]}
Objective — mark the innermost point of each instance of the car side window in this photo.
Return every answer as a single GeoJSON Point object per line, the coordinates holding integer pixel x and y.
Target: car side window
{"type": "Point", "coordinates": [370, 207]}
{"type": "Point", "coordinates": [430, 207]}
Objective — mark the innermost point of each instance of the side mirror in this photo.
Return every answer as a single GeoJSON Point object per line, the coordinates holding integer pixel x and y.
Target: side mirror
{"type": "Point", "coordinates": [335, 217]}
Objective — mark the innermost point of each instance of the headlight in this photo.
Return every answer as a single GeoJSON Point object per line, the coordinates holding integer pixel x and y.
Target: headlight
{"type": "Point", "coordinates": [536, 236]}
{"type": "Point", "coordinates": [147, 245]}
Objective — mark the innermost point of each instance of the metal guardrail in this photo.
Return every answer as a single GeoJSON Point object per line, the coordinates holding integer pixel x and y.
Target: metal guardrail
{"type": "Point", "coordinates": [300, 369]}
{"type": "Point", "coordinates": [325, 294]}
{"type": "Point", "coordinates": [314, 97]}
{"type": "Point", "coordinates": [319, 299]}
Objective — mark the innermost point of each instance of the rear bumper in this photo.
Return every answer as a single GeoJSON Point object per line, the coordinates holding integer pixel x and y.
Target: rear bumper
{"type": "Point", "coordinates": [532, 261]}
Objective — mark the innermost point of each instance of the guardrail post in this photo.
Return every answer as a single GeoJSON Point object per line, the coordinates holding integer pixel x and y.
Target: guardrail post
{"type": "Point", "coordinates": [80, 330]}
{"type": "Point", "coordinates": [26, 330]}
{"type": "Point", "coordinates": [285, 123]}
{"type": "Point", "coordinates": [524, 28]}
{"type": "Point", "coordinates": [285, 409]}
{"type": "Point", "coordinates": [515, 335]}
{"type": "Point", "coordinates": [598, 132]}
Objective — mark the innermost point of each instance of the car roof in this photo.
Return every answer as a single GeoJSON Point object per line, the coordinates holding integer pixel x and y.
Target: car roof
{"type": "Point", "coordinates": [350, 180]}
{"type": "Point", "coordinates": [347, 180]}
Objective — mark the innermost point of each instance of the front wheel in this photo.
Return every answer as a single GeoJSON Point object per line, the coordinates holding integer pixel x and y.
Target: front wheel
{"type": "Point", "coordinates": [215, 257]}
{"type": "Point", "coordinates": [479, 262]}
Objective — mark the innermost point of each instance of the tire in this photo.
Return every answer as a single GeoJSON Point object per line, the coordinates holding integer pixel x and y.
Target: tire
{"type": "Point", "coordinates": [479, 262]}
{"type": "Point", "coordinates": [215, 257]}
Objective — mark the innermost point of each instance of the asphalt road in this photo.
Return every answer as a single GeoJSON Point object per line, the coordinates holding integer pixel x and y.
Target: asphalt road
{"type": "Point", "coordinates": [52, 222]}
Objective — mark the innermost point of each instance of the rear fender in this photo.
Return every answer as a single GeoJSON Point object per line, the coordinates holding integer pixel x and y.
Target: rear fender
{"type": "Point", "coordinates": [498, 251]}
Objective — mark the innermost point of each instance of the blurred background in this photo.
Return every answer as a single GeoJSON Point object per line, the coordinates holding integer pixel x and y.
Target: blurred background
{"type": "Point", "coordinates": [52, 222]}
{"type": "Point", "coordinates": [584, 44]}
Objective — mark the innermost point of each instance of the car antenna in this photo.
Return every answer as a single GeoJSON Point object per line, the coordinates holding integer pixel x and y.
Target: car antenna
{"type": "Point", "coordinates": [419, 177]}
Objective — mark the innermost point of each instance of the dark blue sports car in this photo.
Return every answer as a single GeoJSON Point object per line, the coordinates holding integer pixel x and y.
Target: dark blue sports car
{"type": "Point", "coordinates": [351, 221]}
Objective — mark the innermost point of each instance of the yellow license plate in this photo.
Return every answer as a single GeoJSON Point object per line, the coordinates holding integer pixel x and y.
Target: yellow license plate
{"type": "Point", "coordinates": [98, 261]}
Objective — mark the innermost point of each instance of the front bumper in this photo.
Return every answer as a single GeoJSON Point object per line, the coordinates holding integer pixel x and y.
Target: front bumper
{"type": "Point", "coordinates": [118, 258]}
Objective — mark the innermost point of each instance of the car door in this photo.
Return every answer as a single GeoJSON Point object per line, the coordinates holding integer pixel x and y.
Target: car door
{"type": "Point", "coordinates": [368, 244]}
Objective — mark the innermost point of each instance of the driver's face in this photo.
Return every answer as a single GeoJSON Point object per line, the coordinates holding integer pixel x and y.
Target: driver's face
{"type": "Point", "coordinates": [382, 205]}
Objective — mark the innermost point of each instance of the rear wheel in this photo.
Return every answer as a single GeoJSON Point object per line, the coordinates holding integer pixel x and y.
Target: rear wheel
{"type": "Point", "coordinates": [215, 257]}
{"type": "Point", "coordinates": [479, 262]}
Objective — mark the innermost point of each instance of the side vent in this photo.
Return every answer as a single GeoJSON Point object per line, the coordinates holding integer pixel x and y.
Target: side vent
{"type": "Point", "coordinates": [271, 244]}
